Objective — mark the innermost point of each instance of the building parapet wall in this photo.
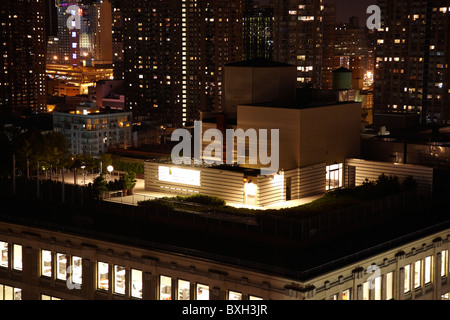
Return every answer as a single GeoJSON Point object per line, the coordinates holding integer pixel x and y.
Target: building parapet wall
{"type": "Point", "coordinates": [360, 170]}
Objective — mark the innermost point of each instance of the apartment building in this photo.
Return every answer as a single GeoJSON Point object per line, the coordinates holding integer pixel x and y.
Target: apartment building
{"type": "Point", "coordinates": [298, 38]}
{"type": "Point", "coordinates": [172, 62]}
{"type": "Point", "coordinates": [411, 75]}
{"type": "Point", "coordinates": [22, 34]}
{"type": "Point", "coordinates": [91, 131]}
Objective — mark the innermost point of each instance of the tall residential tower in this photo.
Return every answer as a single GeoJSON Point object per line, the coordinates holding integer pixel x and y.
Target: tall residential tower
{"type": "Point", "coordinates": [171, 55]}
{"type": "Point", "coordinates": [22, 57]}
{"type": "Point", "coordinates": [298, 38]}
{"type": "Point", "coordinates": [412, 60]}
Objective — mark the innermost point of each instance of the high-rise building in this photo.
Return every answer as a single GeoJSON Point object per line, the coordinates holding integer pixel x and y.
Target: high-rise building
{"type": "Point", "coordinates": [214, 38]}
{"type": "Point", "coordinates": [51, 24]}
{"type": "Point", "coordinates": [412, 58]}
{"type": "Point", "coordinates": [329, 27]}
{"type": "Point", "coordinates": [351, 50]}
{"type": "Point", "coordinates": [85, 43]}
{"type": "Point", "coordinates": [258, 33]}
{"type": "Point", "coordinates": [298, 38]}
{"type": "Point", "coordinates": [87, 27]}
{"type": "Point", "coordinates": [171, 56]}
{"type": "Point", "coordinates": [118, 41]}
{"type": "Point", "coordinates": [102, 23]}
{"type": "Point", "coordinates": [22, 57]}
{"type": "Point", "coordinates": [68, 40]}
{"type": "Point", "coordinates": [149, 52]}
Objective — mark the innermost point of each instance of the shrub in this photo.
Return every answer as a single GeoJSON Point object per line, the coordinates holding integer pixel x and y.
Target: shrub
{"type": "Point", "coordinates": [100, 185]}
{"type": "Point", "coordinates": [161, 205]}
{"type": "Point", "coordinates": [115, 185]}
{"type": "Point", "coordinates": [409, 184]}
{"type": "Point", "coordinates": [387, 185]}
{"type": "Point", "coordinates": [204, 199]}
{"type": "Point", "coordinates": [128, 166]}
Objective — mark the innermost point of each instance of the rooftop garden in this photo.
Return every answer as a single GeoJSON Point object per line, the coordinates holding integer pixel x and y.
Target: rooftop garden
{"type": "Point", "coordinates": [332, 200]}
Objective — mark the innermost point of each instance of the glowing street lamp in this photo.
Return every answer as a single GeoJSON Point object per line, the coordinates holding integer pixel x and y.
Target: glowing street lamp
{"type": "Point", "coordinates": [83, 166]}
{"type": "Point", "coordinates": [110, 169]}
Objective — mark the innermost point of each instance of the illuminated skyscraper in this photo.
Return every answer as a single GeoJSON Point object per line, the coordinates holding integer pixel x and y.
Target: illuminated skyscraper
{"type": "Point", "coordinates": [412, 60]}
{"type": "Point", "coordinates": [22, 57]}
{"type": "Point", "coordinates": [298, 38]}
{"type": "Point", "coordinates": [171, 55]}
{"type": "Point", "coordinates": [68, 40]}
{"type": "Point", "coordinates": [351, 50]}
{"type": "Point", "coordinates": [329, 29]}
{"type": "Point", "coordinates": [258, 33]}
{"type": "Point", "coordinates": [102, 25]}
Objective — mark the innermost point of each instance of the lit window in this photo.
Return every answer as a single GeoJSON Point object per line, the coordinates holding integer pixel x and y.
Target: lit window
{"type": "Point", "coordinates": [17, 257]}
{"type": "Point", "coordinates": [390, 286]}
{"type": "Point", "coordinates": [444, 262]}
{"type": "Point", "coordinates": [377, 289]}
{"type": "Point", "coordinates": [46, 297]}
{"type": "Point", "coordinates": [77, 270]}
{"type": "Point", "coordinates": [74, 56]}
{"type": "Point", "coordinates": [232, 295]}
{"type": "Point", "coordinates": [334, 176]}
{"type": "Point", "coordinates": [136, 283]}
{"type": "Point", "coordinates": [119, 279]}
{"type": "Point", "coordinates": [427, 270]}
{"type": "Point", "coordinates": [46, 260]}
{"type": "Point", "coordinates": [417, 274]}
{"type": "Point", "coordinates": [3, 254]}
{"type": "Point", "coordinates": [407, 286]}
{"type": "Point", "coordinates": [61, 266]}
{"type": "Point", "coordinates": [165, 288]}
{"type": "Point", "coordinates": [254, 298]}
{"type": "Point", "coordinates": [202, 292]}
{"type": "Point", "coordinates": [103, 276]}
{"type": "Point", "coordinates": [346, 294]}
{"type": "Point", "coordinates": [10, 293]}
{"type": "Point", "coordinates": [366, 291]}
{"type": "Point", "coordinates": [184, 290]}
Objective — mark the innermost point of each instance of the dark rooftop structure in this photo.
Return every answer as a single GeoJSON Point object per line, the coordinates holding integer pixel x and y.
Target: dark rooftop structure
{"type": "Point", "coordinates": [258, 63]}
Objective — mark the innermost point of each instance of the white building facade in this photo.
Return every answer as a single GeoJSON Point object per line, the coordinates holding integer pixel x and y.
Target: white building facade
{"type": "Point", "coordinates": [93, 133]}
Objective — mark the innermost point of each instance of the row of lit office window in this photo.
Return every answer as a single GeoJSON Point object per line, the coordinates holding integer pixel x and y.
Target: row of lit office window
{"type": "Point", "coordinates": [11, 293]}
{"type": "Point", "coordinates": [183, 290]}
{"type": "Point", "coordinates": [416, 275]}
{"type": "Point", "coordinates": [69, 269]}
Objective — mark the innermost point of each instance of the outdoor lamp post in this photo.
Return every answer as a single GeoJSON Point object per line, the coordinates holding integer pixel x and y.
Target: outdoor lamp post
{"type": "Point", "coordinates": [110, 170]}
{"type": "Point", "coordinates": [83, 166]}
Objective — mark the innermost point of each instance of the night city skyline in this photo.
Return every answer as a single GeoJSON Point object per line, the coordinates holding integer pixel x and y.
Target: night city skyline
{"type": "Point", "coordinates": [248, 150]}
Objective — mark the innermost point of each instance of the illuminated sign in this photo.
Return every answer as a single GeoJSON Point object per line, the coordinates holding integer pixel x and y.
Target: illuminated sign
{"type": "Point", "coordinates": [178, 175]}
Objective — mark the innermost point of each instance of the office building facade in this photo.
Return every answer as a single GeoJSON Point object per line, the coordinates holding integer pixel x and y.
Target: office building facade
{"type": "Point", "coordinates": [37, 263]}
